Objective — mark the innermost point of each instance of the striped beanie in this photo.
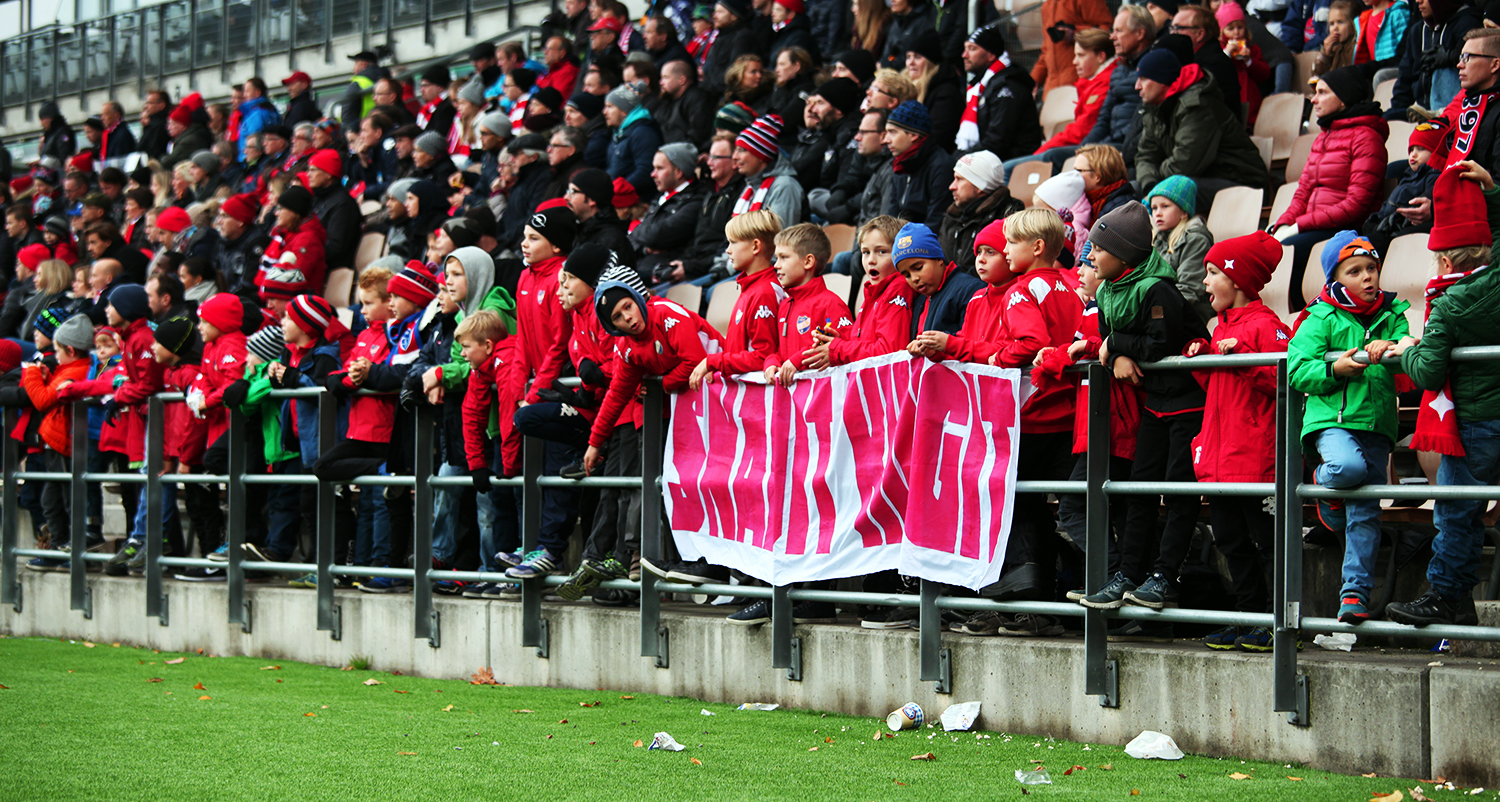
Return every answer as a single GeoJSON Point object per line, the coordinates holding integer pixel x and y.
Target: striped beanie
{"type": "Point", "coordinates": [281, 280]}
{"type": "Point", "coordinates": [48, 320]}
{"type": "Point", "coordinates": [314, 315]}
{"type": "Point", "coordinates": [268, 344]}
{"type": "Point", "coordinates": [760, 137]}
{"type": "Point", "coordinates": [414, 283]}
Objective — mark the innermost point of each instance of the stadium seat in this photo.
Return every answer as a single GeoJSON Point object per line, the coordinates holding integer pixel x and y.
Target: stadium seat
{"type": "Point", "coordinates": [339, 290]}
{"type": "Point", "coordinates": [838, 284]}
{"type": "Point", "coordinates": [1280, 119]}
{"type": "Point", "coordinates": [1264, 144]}
{"type": "Point", "coordinates": [369, 207]}
{"type": "Point", "coordinates": [690, 296]}
{"type": "Point", "coordinates": [1283, 200]}
{"type": "Point", "coordinates": [1025, 179]}
{"type": "Point", "coordinates": [840, 236]}
{"type": "Point", "coordinates": [1057, 109]}
{"type": "Point", "coordinates": [1235, 213]}
{"type": "Point", "coordinates": [1068, 163]}
{"type": "Point", "coordinates": [1305, 63]}
{"type": "Point", "coordinates": [371, 247]}
{"type": "Point", "coordinates": [1384, 92]}
{"type": "Point", "coordinates": [1312, 277]}
{"type": "Point", "coordinates": [1274, 294]}
{"type": "Point", "coordinates": [721, 306]}
{"type": "Point", "coordinates": [1395, 144]}
{"type": "Point", "coordinates": [1297, 161]}
{"type": "Point", "coordinates": [1408, 266]}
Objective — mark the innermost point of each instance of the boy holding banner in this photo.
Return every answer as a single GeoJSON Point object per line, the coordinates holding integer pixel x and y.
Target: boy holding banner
{"type": "Point", "coordinates": [752, 329]}
{"type": "Point", "coordinates": [944, 290]}
{"type": "Point", "coordinates": [802, 253]}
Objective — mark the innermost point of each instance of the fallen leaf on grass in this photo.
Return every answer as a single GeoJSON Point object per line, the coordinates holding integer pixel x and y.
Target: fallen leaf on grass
{"type": "Point", "coordinates": [484, 676]}
{"type": "Point", "coordinates": [325, 707]}
{"type": "Point", "coordinates": [200, 651]}
{"type": "Point", "coordinates": [1108, 767]}
{"type": "Point", "coordinates": [589, 704]}
{"type": "Point", "coordinates": [267, 668]}
{"type": "Point", "coordinates": [406, 753]}
{"type": "Point", "coordinates": [898, 782]}
{"type": "Point", "coordinates": [814, 749]}
{"type": "Point", "coordinates": [309, 715]}
{"type": "Point", "coordinates": [91, 645]}
{"type": "Point", "coordinates": [639, 743]}
{"type": "Point", "coordinates": [523, 710]}
{"type": "Point", "coordinates": [347, 668]}
{"type": "Point", "coordinates": [448, 708]}
{"type": "Point", "coordinates": [1239, 776]}
{"type": "Point", "coordinates": [154, 679]}
{"type": "Point", "coordinates": [627, 697]}
{"type": "Point", "coordinates": [372, 681]}
{"type": "Point", "coordinates": [1182, 776]}
{"type": "Point", "coordinates": [1371, 774]}
{"type": "Point", "coordinates": [172, 662]}
{"type": "Point", "coordinates": [403, 691]}
{"type": "Point", "coordinates": [1418, 796]}
{"type": "Point", "coordinates": [828, 740]}
{"type": "Point", "coordinates": [876, 737]}
{"type": "Point", "coordinates": [199, 687]}
{"type": "Point", "coordinates": [695, 761]}
{"type": "Point", "coordinates": [393, 673]}
{"type": "Point", "coordinates": [1070, 771]}
{"type": "Point", "coordinates": [279, 680]}
{"type": "Point", "coordinates": [1135, 792]}
{"type": "Point", "coordinates": [204, 698]}
{"type": "Point", "coordinates": [1394, 796]}
{"type": "Point", "coordinates": [1294, 779]}
{"type": "Point", "coordinates": [925, 756]}
{"type": "Point", "coordinates": [4, 687]}
{"type": "Point", "coordinates": [116, 644]}
{"type": "Point", "coordinates": [563, 721]}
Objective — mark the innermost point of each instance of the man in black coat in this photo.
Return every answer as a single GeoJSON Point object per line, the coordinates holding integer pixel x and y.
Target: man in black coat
{"type": "Point", "coordinates": [923, 169]}
{"type": "Point", "coordinates": [735, 39]}
{"type": "Point", "coordinates": [592, 199]}
{"type": "Point", "coordinates": [528, 153]}
{"type": "Point", "coordinates": [236, 255]}
{"type": "Point", "coordinates": [722, 189]}
{"type": "Point", "coordinates": [686, 113]}
{"type": "Point", "coordinates": [661, 41]}
{"type": "Point", "coordinates": [1006, 122]}
{"type": "Point", "coordinates": [335, 209]}
{"type": "Point", "coordinates": [667, 230]}
{"type": "Point", "coordinates": [1198, 26]}
{"type": "Point", "coordinates": [154, 136]}
{"type": "Point", "coordinates": [105, 242]}
{"type": "Point", "coordinates": [300, 106]}
{"type": "Point", "coordinates": [58, 139]}
{"type": "Point", "coordinates": [437, 110]}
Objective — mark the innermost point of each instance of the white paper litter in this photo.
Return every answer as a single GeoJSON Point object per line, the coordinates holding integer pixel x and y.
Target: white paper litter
{"type": "Point", "coordinates": [757, 706]}
{"type": "Point", "coordinates": [665, 741]}
{"type": "Point", "coordinates": [706, 712]}
{"type": "Point", "coordinates": [1151, 744]}
{"type": "Point", "coordinates": [960, 716]}
{"type": "Point", "coordinates": [1337, 642]}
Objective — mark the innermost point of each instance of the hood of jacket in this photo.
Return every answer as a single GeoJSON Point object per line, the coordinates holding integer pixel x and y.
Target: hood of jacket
{"type": "Point", "coordinates": [430, 196]}
{"type": "Point", "coordinates": [479, 274]}
{"type": "Point", "coordinates": [605, 315]}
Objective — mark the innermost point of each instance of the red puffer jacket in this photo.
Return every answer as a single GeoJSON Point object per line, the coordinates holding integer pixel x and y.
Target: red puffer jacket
{"type": "Point", "coordinates": [1345, 173]}
{"type": "Point", "coordinates": [1238, 439]}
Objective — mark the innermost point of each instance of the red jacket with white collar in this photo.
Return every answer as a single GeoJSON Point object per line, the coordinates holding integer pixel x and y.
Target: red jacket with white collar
{"type": "Point", "coordinates": [674, 342]}
{"type": "Point", "coordinates": [751, 338]}
{"type": "Point", "coordinates": [1238, 439]}
{"type": "Point", "coordinates": [805, 309]}
{"type": "Point", "coordinates": [481, 403]}
{"type": "Point", "coordinates": [884, 322]}
{"type": "Point", "coordinates": [371, 417]}
{"type": "Point", "coordinates": [543, 329]}
{"type": "Point", "coordinates": [223, 365]}
{"type": "Point", "coordinates": [143, 380]}
{"type": "Point", "coordinates": [590, 341]}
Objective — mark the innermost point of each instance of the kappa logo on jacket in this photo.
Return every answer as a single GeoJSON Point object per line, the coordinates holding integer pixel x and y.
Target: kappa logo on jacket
{"type": "Point", "coordinates": [764, 311]}
{"type": "Point", "coordinates": [669, 323]}
{"type": "Point", "coordinates": [899, 300]}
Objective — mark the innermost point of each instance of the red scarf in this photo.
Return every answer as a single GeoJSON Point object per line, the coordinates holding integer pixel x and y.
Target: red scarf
{"type": "Point", "coordinates": [1471, 111]}
{"type": "Point", "coordinates": [753, 197]}
{"type": "Point", "coordinates": [968, 124]}
{"type": "Point", "coordinates": [1338, 295]}
{"type": "Point", "coordinates": [1437, 425]}
{"type": "Point", "coordinates": [1098, 196]}
{"type": "Point", "coordinates": [898, 163]}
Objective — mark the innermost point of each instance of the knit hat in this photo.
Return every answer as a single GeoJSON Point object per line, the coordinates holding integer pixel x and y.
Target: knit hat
{"type": "Point", "coordinates": [483, 219]}
{"type": "Point", "coordinates": [269, 343]}
{"type": "Point", "coordinates": [48, 320]}
{"type": "Point", "coordinates": [842, 94]}
{"type": "Point", "coordinates": [223, 311]}
{"type": "Point", "coordinates": [173, 219]}
{"type": "Point", "coordinates": [913, 117]}
{"type": "Point", "coordinates": [1346, 245]}
{"type": "Point", "coordinates": [59, 225]}
{"type": "Point", "coordinates": [548, 96]}
{"type": "Point", "coordinates": [682, 155]}
{"type": "Point", "coordinates": [624, 274]}
{"type": "Point", "coordinates": [437, 74]}
{"type": "Point", "coordinates": [624, 98]}
{"type": "Point", "coordinates": [82, 163]}
{"type": "Point", "coordinates": [589, 262]}
{"type": "Point", "coordinates": [794, 6]}
{"type": "Point", "coordinates": [1169, 6]}
{"type": "Point", "coordinates": [129, 301]}
{"type": "Point", "coordinates": [408, 131]}
{"type": "Point", "coordinates": [1248, 261]}
{"type": "Point", "coordinates": [314, 315]}
{"type": "Point", "coordinates": [10, 355]}
{"type": "Point", "coordinates": [1229, 12]}
{"type": "Point", "coordinates": [206, 161]}
{"type": "Point", "coordinates": [496, 122]}
{"type": "Point", "coordinates": [1178, 189]}
{"type": "Point", "coordinates": [413, 283]}
{"type": "Point", "coordinates": [860, 62]}
{"type": "Point", "coordinates": [473, 92]}
{"type": "Point", "coordinates": [296, 199]}
{"type": "Point", "coordinates": [33, 255]}
{"type": "Point", "coordinates": [980, 168]}
{"type": "Point", "coordinates": [1351, 84]}
{"type": "Point", "coordinates": [625, 194]}
{"type": "Point", "coordinates": [432, 143]}
{"type": "Point", "coordinates": [734, 117]}
{"type": "Point", "coordinates": [463, 231]}
{"type": "Point", "coordinates": [739, 8]}
{"type": "Point", "coordinates": [1429, 135]}
{"type": "Point", "coordinates": [241, 207]}
{"type": "Point", "coordinates": [990, 38]}
{"type": "Point", "coordinates": [992, 235]}
{"type": "Point", "coordinates": [399, 188]}
{"type": "Point", "coordinates": [175, 335]}
{"type": "Point", "coordinates": [1125, 233]}
{"type": "Point", "coordinates": [1161, 66]}
{"type": "Point", "coordinates": [1458, 212]}
{"type": "Point", "coordinates": [281, 280]}
{"type": "Point", "coordinates": [559, 226]}
{"type": "Point", "coordinates": [181, 115]}
{"type": "Point", "coordinates": [595, 184]}
{"type": "Point", "coordinates": [760, 137]}
{"type": "Point", "coordinates": [916, 241]}
{"type": "Point", "coordinates": [927, 44]}
{"type": "Point", "coordinates": [588, 105]}
{"type": "Point", "coordinates": [253, 317]}
{"type": "Point", "coordinates": [329, 161]}
{"type": "Point", "coordinates": [45, 175]}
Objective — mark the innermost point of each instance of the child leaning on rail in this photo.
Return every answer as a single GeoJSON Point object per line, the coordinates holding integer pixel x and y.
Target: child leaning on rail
{"type": "Point", "coordinates": [1350, 417]}
{"type": "Point", "coordinates": [1238, 440]}
{"type": "Point", "coordinates": [1461, 404]}
{"type": "Point", "coordinates": [41, 384]}
{"type": "Point", "coordinates": [751, 337]}
{"type": "Point", "coordinates": [883, 325]}
{"type": "Point", "coordinates": [180, 351]}
{"type": "Point", "coordinates": [491, 445]}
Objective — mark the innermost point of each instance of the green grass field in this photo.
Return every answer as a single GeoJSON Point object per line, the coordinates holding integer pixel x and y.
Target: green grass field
{"type": "Point", "coordinates": [109, 722]}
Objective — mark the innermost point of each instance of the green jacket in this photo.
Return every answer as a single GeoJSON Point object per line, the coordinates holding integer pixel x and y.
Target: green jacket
{"type": "Point", "coordinates": [1193, 133]}
{"type": "Point", "coordinates": [497, 300]}
{"type": "Point", "coordinates": [1467, 314]}
{"type": "Point", "coordinates": [1366, 402]}
{"type": "Point", "coordinates": [265, 411]}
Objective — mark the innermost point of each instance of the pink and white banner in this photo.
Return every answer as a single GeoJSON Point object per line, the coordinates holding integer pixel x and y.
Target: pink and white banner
{"type": "Point", "coordinates": [890, 462]}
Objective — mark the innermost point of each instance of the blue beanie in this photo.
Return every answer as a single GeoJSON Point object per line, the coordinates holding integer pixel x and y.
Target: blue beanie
{"type": "Point", "coordinates": [129, 300]}
{"type": "Point", "coordinates": [916, 241]}
{"type": "Point", "coordinates": [1160, 65]}
{"type": "Point", "coordinates": [912, 116]}
{"type": "Point", "coordinates": [1344, 245]}
{"type": "Point", "coordinates": [48, 320]}
{"type": "Point", "coordinates": [1178, 189]}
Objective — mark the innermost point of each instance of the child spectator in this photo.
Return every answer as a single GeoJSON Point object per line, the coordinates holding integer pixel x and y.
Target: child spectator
{"type": "Point", "coordinates": [752, 328]}
{"type": "Point", "coordinates": [1144, 317]}
{"type": "Point", "coordinates": [1343, 39]}
{"type": "Point", "coordinates": [489, 350]}
{"type": "Point", "coordinates": [1182, 237]}
{"type": "Point", "coordinates": [1251, 69]}
{"type": "Point", "coordinates": [1238, 440]}
{"type": "Point", "coordinates": [41, 384]}
{"type": "Point", "coordinates": [1351, 406]}
{"type": "Point", "coordinates": [802, 253]}
{"type": "Point", "coordinates": [1064, 194]}
{"type": "Point", "coordinates": [1416, 182]}
{"type": "Point", "coordinates": [1381, 29]}
{"type": "Point", "coordinates": [293, 262]}
{"type": "Point", "coordinates": [1029, 305]}
{"type": "Point", "coordinates": [106, 442]}
{"type": "Point", "coordinates": [179, 350]}
{"type": "Point", "coordinates": [883, 325]}
{"type": "Point", "coordinates": [943, 289]}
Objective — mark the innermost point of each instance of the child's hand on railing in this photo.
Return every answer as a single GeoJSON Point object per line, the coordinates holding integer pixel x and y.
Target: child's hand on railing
{"type": "Point", "coordinates": [1346, 366]}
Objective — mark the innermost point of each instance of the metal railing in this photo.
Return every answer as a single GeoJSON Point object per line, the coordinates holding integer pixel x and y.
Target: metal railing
{"type": "Point", "coordinates": [1101, 674]}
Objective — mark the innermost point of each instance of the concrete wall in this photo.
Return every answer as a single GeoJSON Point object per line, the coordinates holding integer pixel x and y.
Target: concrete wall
{"type": "Point", "coordinates": [1393, 714]}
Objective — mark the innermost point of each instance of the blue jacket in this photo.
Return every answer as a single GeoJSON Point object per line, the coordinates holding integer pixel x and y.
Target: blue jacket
{"type": "Point", "coordinates": [314, 370]}
{"type": "Point", "coordinates": [631, 149]}
{"type": "Point", "coordinates": [1118, 124]}
{"type": "Point", "coordinates": [947, 306]}
{"type": "Point", "coordinates": [1300, 14]}
{"type": "Point", "coordinates": [378, 175]}
{"type": "Point", "coordinates": [255, 116]}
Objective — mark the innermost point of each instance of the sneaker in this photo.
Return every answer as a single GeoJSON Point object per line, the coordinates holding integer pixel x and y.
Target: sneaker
{"type": "Point", "coordinates": [579, 583]}
{"type": "Point", "coordinates": [984, 623]}
{"type": "Point", "coordinates": [756, 614]}
{"type": "Point", "coordinates": [1224, 640]}
{"type": "Point", "coordinates": [47, 564]}
{"type": "Point", "coordinates": [476, 590]}
{"type": "Point", "coordinates": [118, 565]}
{"type": "Point", "coordinates": [1027, 625]}
{"type": "Point", "coordinates": [573, 470]}
{"type": "Point", "coordinates": [1331, 513]}
{"type": "Point", "coordinates": [634, 574]}
{"type": "Point", "coordinates": [659, 567]}
{"type": "Point", "coordinates": [610, 597]}
{"type": "Point", "coordinates": [890, 618]}
{"type": "Point", "coordinates": [1155, 592]}
{"type": "Point", "coordinates": [1430, 608]}
{"type": "Point", "coordinates": [259, 553]}
{"type": "Point", "coordinates": [1257, 639]}
{"type": "Point", "coordinates": [448, 587]}
{"type": "Point", "coordinates": [537, 564]}
{"type": "Point", "coordinates": [137, 564]}
{"type": "Point", "coordinates": [699, 572]}
{"type": "Point", "coordinates": [1076, 594]}
{"type": "Point", "coordinates": [1465, 614]}
{"type": "Point", "coordinates": [201, 575]}
{"type": "Point", "coordinates": [496, 590]}
{"type": "Point", "coordinates": [1353, 609]}
{"type": "Point", "coordinates": [305, 581]}
{"type": "Point", "coordinates": [385, 584]}
{"type": "Point", "coordinates": [815, 613]}
{"type": "Point", "coordinates": [510, 558]}
{"type": "Point", "coordinates": [221, 554]}
{"type": "Point", "coordinates": [606, 569]}
{"type": "Point", "coordinates": [1136, 632]}
{"type": "Point", "coordinates": [1111, 596]}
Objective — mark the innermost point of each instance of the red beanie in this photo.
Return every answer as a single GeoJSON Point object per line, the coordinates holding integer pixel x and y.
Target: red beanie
{"type": "Point", "coordinates": [414, 284]}
{"type": "Point", "coordinates": [1458, 212]}
{"type": "Point", "coordinates": [33, 255]}
{"type": "Point", "coordinates": [1429, 135]}
{"type": "Point", "coordinates": [83, 162]}
{"type": "Point", "coordinates": [328, 161]}
{"type": "Point", "coordinates": [1249, 261]}
{"type": "Point", "coordinates": [173, 219]}
{"type": "Point", "coordinates": [794, 6]}
{"type": "Point", "coordinates": [314, 315]}
{"type": "Point", "coordinates": [224, 311]}
{"type": "Point", "coordinates": [242, 208]}
{"type": "Point", "coordinates": [182, 115]}
{"type": "Point", "coordinates": [625, 194]}
{"type": "Point", "coordinates": [992, 235]}
{"type": "Point", "coordinates": [10, 355]}
{"type": "Point", "coordinates": [551, 204]}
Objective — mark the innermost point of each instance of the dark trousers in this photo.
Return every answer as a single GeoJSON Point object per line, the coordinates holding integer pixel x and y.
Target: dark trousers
{"type": "Point", "coordinates": [1033, 532]}
{"type": "Point", "coordinates": [1072, 509]}
{"type": "Point", "coordinates": [216, 461]}
{"type": "Point", "coordinates": [1243, 533]}
{"type": "Point", "coordinates": [202, 503]}
{"type": "Point", "coordinates": [566, 432]}
{"type": "Point", "coordinates": [55, 498]}
{"type": "Point", "coordinates": [30, 494]}
{"type": "Point", "coordinates": [369, 527]}
{"type": "Point", "coordinates": [1163, 454]}
{"type": "Point", "coordinates": [616, 530]}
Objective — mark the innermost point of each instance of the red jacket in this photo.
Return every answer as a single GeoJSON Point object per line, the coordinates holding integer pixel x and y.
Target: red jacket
{"type": "Point", "coordinates": [112, 431]}
{"type": "Point", "coordinates": [143, 380]}
{"type": "Point", "coordinates": [1091, 95]}
{"type": "Point", "coordinates": [562, 78]}
{"type": "Point", "coordinates": [674, 342]}
{"type": "Point", "coordinates": [482, 401]}
{"type": "Point", "coordinates": [1251, 75]}
{"type": "Point", "coordinates": [543, 329]}
{"type": "Point", "coordinates": [57, 421]}
{"type": "Point", "coordinates": [1124, 399]}
{"type": "Point", "coordinates": [185, 434]}
{"type": "Point", "coordinates": [1344, 180]}
{"type": "Point", "coordinates": [302, 249]}
{"type": "Point", "coordinates": [1238, 439]}
{"type": "Point", "coordinates": [804, 309]}
{"type": "Point", "coordinates": [1011, 324]}
{"type": "Point", "coordinates": [223, 365]}
{"type": "Point", "coordinates": [1054, 67]}
{"type": "Point", "coordinates": [590, 341]}
{"type": "Point", "coordinates": [883, 326]}
{"type": "Point", "coordinates": [371, 417]}
{"type": "Point", "coordinates": [752, 330]}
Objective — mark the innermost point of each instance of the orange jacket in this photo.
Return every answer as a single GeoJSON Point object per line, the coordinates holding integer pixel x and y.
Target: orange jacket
{"type": "Point", "coordinates": [1054, 67]}
{"type": "Point", "coordinates": [56, 428]}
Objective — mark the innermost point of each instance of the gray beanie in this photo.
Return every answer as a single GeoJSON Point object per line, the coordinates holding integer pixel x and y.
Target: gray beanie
{"type": "Point", "coordinates": [625, 99]}
{"type": "Point", "coordinates": [496, 122]}
{"type": "Point", "coordinates": [473, 92]}
{"type": "Point", "coordinates": [432, 143]}
{"type": "Point", "coordinates": [398, 189]}
{"type": "Point", "coordinates": [682, 155]}
{"type": "Point", "coordinates": [76, 332]}
{"type": "Point", "coordinates": [1126, 233]}
{"type": "Point", "coordinates": [390, 262]}
{"type": "Point", "coordinates": [207, 161]}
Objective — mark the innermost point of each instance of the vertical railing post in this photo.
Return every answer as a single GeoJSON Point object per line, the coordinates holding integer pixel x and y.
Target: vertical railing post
{"type": "Point", "coordinates": [781, 627]}
{"type": "Point", "coordinates": [364, 27]}
{"type": "Point", "coordinates": [10, 511]}
{"type": "Point", "coordinates": [930, 632]}
{"type": "Point", "coordinates": [327, 409]}
{"type": "Point", "coordinates": [78, 496]}
{"type": "Point", "coordinates": [161, 45]}
{"type": "Point", "coordinates": [1290, 688]}
{"type": "Point", "coordinates": [652, 546]}
{"type": "Point", "coordinates": [427, 22]}
{"type": "Point", "coordinates": [238, 514]}
{"type": "Point", "coordinates": [82, 33]}
{"type": "Point", "coordinates": [155, 432]}
{"type": "Point", "coordinates": [531, 525]}
{"type": "Point", "coordinates": [426, 624]}
{"type": "Point", "coordinates": [1097, 670]}
{"type": "Point", "coordinates": [469, 18]}
{"type": "Point", "coordinates": [291, 41]}
{"type": "Point", "coordinates": [192, 44]}
{"type": "Point", "coordinates": [224, 42]}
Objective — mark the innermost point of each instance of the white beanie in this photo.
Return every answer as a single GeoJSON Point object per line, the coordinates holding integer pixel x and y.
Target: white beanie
{"type": "Point", "coordinates": [1061, 191]}
{"type": "Point", "coordinates": [982, 169]}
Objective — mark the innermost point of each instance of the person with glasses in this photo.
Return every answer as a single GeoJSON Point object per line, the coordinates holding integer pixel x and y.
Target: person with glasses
{"type": "Point", "coordinates": [1429, 70]}
{"type": "Point", "coordinates": [723, 189]}
{"type": "Point", "coordinates": [564, 158]}
{"type": "Point", "coordinates": [1195, 40]}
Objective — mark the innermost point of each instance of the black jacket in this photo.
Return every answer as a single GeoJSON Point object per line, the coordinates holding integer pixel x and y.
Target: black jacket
{"type": "Point", "coordinates": [531, 181]}
{"type": "Point", "coordinates": [441, 119]}
{"type": "Point", "coordinates": [1119, 124]}
{"type": "Point", "coordinates": [340, 216]}
{"type": "Point", "coordinates": [1425, 47]}
{"type": "Point", "coordinates": [154, 136]}
{"type": "Point", "coordinates": [945, 103]}
{"type": "Point", "coordinates": [560, 176]}
{"type": "Point", "coordinates": [920, 193]}
{"type": "Point", "coordinates": [60, 142]}
{"type": "Point", "coordinates": [1007, 117]}
{"type": "Point", "coordinates": [842, 153]}
{"type": "Point", "coordinates": [607, 229]}
{"type": "Point", "coordinates": [961, 224]}
{"type": "Point", "coordinates": [797, 33]}
{"type": "Point", "coordinates": [668, 228]}
{"type": "Point", "coordinates": [132, 260]}
{"type": "Point", "coordinates": [687, 118]}
{"type": "Point", "coordinates": [377, 168]}
{"type": "Point", "coordinates": [944, 310]}
{"type": "Point", "coordinates": [438, 171]}
{"type": "Point", "coordinates": [1213, 61]}
{"type": "Point", "coordinates": [596, 152]}
{"type": "Point", "coordinates": [301, 109]}
{"type": "Point", "coordinates": [672, 52]}
{"type": "Point", "coordinates": [239, 260]}
{"type": "Point", "coordinates": [732, 42]}
{"type": "Point", "coordinates": [807, 157]}
{"type": "Point", "coordinates": [1166, 322]}
{"type": "Point", "coordinates": [709, 240]}
{"type": "Point", "coordinates": [788, 102]}
{"type": "Point", "coordinates": [194, 138]}
{"type": "Point", "coordinates": [920, 16]}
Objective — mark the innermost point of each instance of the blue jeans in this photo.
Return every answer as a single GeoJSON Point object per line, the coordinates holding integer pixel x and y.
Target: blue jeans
{"type": "Point", "coordinates": [499, 520]}
{"type": "Point", "coordinates": [445, 502]}
{"type": "Point", "coordinates": [171, 527]}
{"type": "Point", "coordinates": [1283, 75]}
{"type": "Point", "coordinates": [284, 512]}
{"type": "Point", "coordinates": [1350, 459]}
{"type": "Point", "coordinates": [372, 529]}
{"type": "Point", "coordinates": [1453, 572]}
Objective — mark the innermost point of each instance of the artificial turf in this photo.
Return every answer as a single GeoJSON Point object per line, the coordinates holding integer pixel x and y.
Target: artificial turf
{"type": "Point", "coordinates": [105, 721]}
